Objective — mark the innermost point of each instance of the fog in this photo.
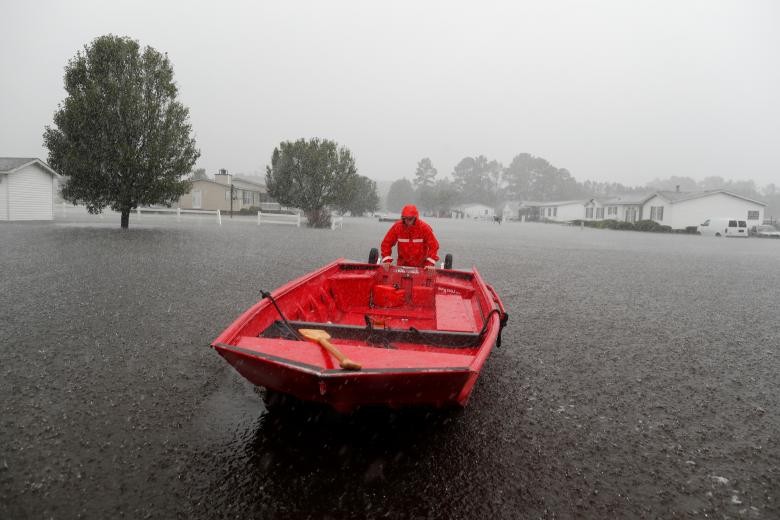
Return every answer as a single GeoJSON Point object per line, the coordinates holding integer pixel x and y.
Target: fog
{"type": "Point", "coordinates": [612, 91]}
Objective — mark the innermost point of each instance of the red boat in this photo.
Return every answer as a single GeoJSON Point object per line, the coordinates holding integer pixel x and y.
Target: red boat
{"type": "Point", "coordinates": [353, 334]}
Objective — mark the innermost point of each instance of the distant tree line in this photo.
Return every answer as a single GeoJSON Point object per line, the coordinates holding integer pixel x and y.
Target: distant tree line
{"type": "Point", "coordinates": [485, 181]}
{"type": "Point", "coordinates": [530, 178]}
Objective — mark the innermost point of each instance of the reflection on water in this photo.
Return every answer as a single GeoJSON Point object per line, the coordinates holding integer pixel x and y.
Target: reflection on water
{"type": "Point", "coordinates": [309, 460]}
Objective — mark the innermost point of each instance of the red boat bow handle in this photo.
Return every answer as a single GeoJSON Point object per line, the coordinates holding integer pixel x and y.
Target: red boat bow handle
{"type": "Point", "coordinates": [502, 315]}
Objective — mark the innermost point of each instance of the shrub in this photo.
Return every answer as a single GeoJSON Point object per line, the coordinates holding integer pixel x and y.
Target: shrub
{"type": "Point", "coordinates": [610, 223]}
{"type": "Point", "coordinates": [251, 210]}
{"type": "Point", "coordinates": [652, 225]}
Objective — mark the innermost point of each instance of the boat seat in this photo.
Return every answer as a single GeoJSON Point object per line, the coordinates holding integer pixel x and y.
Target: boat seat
{"type": "Point", "coordinates": [453, 313]}
{"type": "Point", "coordinates": [350, 289]}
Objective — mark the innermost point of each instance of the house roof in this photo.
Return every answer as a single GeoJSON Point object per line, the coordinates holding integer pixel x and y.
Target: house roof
{"type": "Point", "coordinates": [674, 197]}
{"type": "Point", "coordinates": [471, 205]}
{"type": "Point", "coordinates": [625, 199]}
{"type": "Point", "coordinates": [533, 204]}
{"type": "Point", "coordinates": [238, 183]}
{"type": "Point", "coordinates": [251, 184]}
{"type": "Point", "coordinates": [12, 164]}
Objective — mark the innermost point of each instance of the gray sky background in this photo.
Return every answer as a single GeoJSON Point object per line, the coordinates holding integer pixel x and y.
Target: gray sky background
{"type": "Point", "coordinates": [621, 91]}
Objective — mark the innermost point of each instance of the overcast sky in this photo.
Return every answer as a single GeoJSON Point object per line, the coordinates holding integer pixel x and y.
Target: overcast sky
{"type": "Point", "coordinates": [620, 91]}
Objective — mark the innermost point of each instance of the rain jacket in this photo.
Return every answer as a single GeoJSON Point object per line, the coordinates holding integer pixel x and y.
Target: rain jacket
{"type": "Point", "coordinates": [417, 245]}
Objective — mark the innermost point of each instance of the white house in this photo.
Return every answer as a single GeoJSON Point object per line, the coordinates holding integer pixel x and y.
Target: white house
{"type": "Point", "coordinates": [680, 209]}
{"type": "Point", "coordinates": [564, 210]}
{"type": "Point", "coordinates": [27, 189]}
{"type": "Point", "coordinates": [626, 208]}
{"type": "Point", "coordinates": [555, 211]}
{"type": "Point", "coordinates": [477, 211]}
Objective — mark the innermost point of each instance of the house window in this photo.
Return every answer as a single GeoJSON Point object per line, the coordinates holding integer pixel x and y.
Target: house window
{"type": "Point", "coordinates": [752, 215]}
{"type": "Point", "coordinates": [657, 213]}
{"type": "Point", "coordinates": [588, 212]}
{"type": "Point", "coordinates": [555, 212]}
{"type": "Point", "coordinates": [612, 210]}
{"type": "Point", "coordinates": [247, 195]}
{"type": "Point", "coordinates": [599, 213]}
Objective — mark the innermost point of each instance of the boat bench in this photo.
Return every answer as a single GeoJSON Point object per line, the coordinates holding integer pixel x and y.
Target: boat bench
{"type": "Point", "coordinates": [450, 339]}
{"type": "Point", "coordinates": [453, 313]}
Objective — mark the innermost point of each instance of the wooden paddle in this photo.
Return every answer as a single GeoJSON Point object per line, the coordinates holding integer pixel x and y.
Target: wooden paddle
{"type": "Point", "coordinates": [322, 337]}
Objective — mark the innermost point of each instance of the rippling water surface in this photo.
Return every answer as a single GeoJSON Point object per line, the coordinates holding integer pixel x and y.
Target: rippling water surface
{"type": "Point", "coordinates": [638, 377]}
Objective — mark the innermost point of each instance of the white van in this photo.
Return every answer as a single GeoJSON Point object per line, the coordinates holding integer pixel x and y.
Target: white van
{"type": "Point", "coordinates": [724, 227]}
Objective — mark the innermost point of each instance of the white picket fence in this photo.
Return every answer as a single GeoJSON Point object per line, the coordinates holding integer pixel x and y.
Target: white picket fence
{"type": "Point", "coordinates": [263, 218]}
{"type": "Point", "coordinates": [292, 220]}
{"type": "Point", "coordinates": [179, 211]}
{"type": "Point", "coordinates": [278, 218]}
{"type": "Point", "coordinates": [67, 209]}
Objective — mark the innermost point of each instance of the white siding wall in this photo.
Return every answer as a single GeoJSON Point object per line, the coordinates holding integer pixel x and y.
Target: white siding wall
{"type": "Point", "coordinates": [568, 212]}
{"type": "Point", "coordinates": [3, 197]}
{"type": "Point", "coordinates": [594, 205]}
{"type": "Point", "coordinates": [695, 211]}
{"type": "Point", "coordinates": [655, 200]}
{"type": "Point", "coordinates": [623, 210]}
{"type": "Point", "coordinates": [30, 194]}
{"type": "Point", "coordinates": [479, 211]}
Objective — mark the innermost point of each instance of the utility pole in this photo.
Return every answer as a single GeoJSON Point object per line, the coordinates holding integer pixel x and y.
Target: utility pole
{"type": "Point", "coordinates": [231, 199]}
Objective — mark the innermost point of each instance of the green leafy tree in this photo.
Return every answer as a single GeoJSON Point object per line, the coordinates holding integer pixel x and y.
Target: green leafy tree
{"type": "Point", "coordinates": [311, 175]}
{"type": "Point", "coordinates": [425, 197]}
{"type": "Point", "coordinates": [425, 175]}
{"type": "Point", "coordinates": [121, 139]}
{"type": "Point", "coordinates": [445, 196]}
{"type": "Point", "coordinates": [533, 178]}
{"type": "Point", "coordinates": [401, 193]}
{"type": "Point", "coordinates": [199, 175]}
{"type": "Point", "coordinates": [424, 179]}
{"type": "Point", "coordinates": [362, 197]}
{"type": "Point", "coordinates": [477, 179]}
{"type": "Point", "coordinates": [685, 183]}
{"type": "Point", "coordinates": [607, 189]}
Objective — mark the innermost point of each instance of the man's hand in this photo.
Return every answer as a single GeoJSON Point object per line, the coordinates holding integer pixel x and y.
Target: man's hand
{"type": "Point", "coordinates": [430, 268]}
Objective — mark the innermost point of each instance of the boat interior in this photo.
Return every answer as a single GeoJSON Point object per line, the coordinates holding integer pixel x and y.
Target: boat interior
{"type": "Point", "coordinates": [363, 304]}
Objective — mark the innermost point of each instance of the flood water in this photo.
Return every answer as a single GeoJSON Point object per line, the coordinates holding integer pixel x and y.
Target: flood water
{"type": "Point", "coordinates": [637, 378]}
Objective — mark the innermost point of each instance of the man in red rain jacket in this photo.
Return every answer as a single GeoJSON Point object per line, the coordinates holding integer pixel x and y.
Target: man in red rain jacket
{"type": "Point", "coordinates": [417, 245]}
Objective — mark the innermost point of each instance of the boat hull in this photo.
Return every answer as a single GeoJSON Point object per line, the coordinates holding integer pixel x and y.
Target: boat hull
{"type": "Point", "coordinates": [345, 391]}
